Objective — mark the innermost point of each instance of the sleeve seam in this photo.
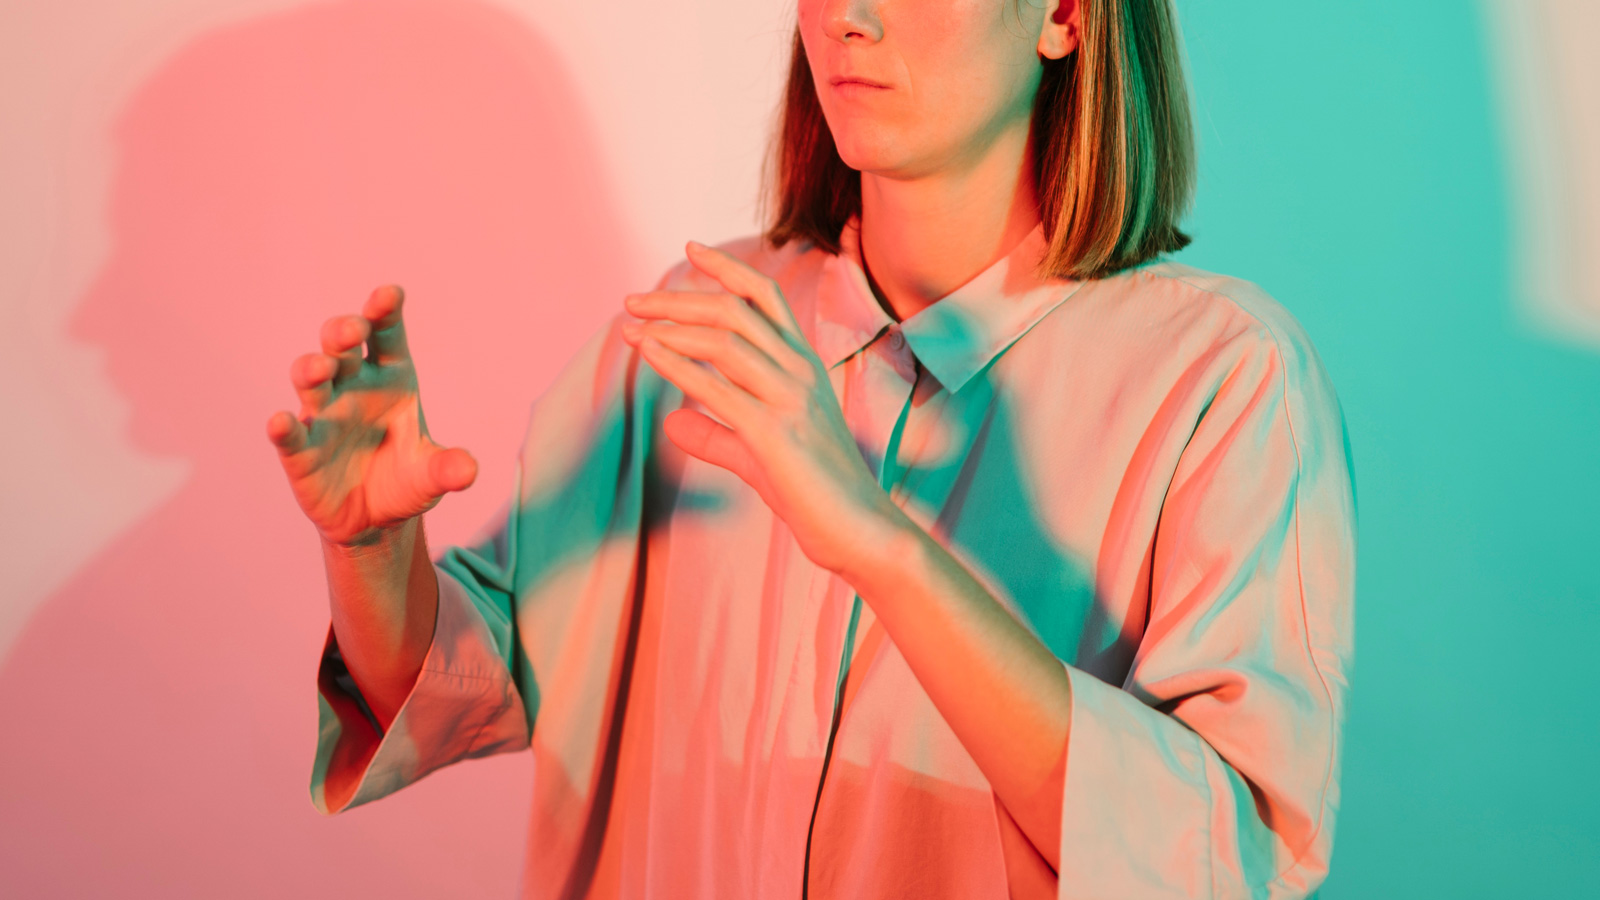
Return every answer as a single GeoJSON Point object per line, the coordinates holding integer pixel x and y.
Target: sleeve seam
{"type": "Point", "coordinates": [1305, 624]}
{"type": "Point", "coordinates": [1322, 678]}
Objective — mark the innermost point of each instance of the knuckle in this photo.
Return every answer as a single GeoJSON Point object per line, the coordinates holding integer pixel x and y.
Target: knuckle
{"type": "Point", "coordinates": [797, 397]}
{"type": "Point", "coordinates": [807, 378]}
{"type": "Point", "coordinates": [742, 315]}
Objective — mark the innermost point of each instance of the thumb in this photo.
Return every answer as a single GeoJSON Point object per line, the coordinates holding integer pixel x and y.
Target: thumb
{"type": "Point", "coordinates": [451, 469]}
{"type": "Point", "coordinates": [697, 435]}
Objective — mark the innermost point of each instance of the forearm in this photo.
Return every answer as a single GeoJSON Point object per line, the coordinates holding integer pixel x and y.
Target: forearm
{"type": "Point", "coordinates": [1003, 693]}
{"type": "Point", "coordinates": [384, 598]}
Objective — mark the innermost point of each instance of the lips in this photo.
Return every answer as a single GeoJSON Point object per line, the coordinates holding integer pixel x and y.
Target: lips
{"type": "Point", "coordinates": [840, 80]}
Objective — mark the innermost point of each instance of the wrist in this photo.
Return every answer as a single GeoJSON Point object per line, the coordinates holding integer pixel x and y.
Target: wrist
{"type": "Point", "coordinates": [882, 550]}
{"type": "Point", "coordinates": [373, 542]}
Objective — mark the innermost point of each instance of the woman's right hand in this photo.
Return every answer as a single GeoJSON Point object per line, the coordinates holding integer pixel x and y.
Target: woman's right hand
{"type": "Point", "coordinates": [358, 456]}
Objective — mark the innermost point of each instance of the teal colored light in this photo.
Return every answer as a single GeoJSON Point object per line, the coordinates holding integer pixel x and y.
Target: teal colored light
{"type": "Point", "coordinates": [1350, 163]}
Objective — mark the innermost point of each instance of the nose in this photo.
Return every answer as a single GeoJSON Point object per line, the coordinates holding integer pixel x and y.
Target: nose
{"type": "Point", "coordinates": [846, 20]}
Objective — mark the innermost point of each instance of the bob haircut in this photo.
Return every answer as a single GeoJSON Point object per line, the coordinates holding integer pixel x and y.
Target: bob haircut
{"type": "Point", "coordinates": [1111, 141]}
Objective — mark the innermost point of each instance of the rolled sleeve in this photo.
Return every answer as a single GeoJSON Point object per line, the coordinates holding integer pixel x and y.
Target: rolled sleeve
{"type": "Point", "coordinates": [529, 615]}
{"type": "Point", "coordinates": [464, 705]}
{"type": "Point", "coordinates": [1212, 771]}
{"type": "Point", "coordinates": [1135, 793]}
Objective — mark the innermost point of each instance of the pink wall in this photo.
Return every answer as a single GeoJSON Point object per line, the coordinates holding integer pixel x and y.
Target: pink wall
{"type": "Point", "coordinates": [159, 704]}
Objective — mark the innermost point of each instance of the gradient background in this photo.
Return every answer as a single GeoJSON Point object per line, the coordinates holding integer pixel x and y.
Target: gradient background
{"type": "Point", "coordinates": [188, 187]}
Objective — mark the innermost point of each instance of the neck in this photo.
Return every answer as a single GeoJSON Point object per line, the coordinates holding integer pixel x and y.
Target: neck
{"type": "Point", "coordinates": [922, 238]}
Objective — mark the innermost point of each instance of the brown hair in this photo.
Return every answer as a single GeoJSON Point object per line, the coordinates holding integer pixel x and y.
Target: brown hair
{"type": "Point", "coordinates": [1111, 139]}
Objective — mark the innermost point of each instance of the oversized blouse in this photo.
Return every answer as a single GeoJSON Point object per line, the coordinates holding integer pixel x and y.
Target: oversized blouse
{"type": "Point", "coordinates": [1150, 470]}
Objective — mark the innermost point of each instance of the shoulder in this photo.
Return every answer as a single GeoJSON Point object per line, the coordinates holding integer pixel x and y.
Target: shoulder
{"type": "Point", "coordinates": [1258, 318]}
{"type": "Point", "coordinates": [1171, 304]}
{"type": "Point", "coordinates": [1181, 319]}
{"type": "Point", "coordinates": [1257, 346]}
{"type": "Point", "coordinates": [1166, 337]}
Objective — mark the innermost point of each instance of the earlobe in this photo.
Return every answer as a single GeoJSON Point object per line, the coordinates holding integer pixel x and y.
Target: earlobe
{"type": "Point", "coordinates": [1061, 29]}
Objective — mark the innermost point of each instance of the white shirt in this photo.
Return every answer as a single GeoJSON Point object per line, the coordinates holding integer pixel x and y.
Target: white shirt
{"type": "Point", "coordinates": [1149, 469]}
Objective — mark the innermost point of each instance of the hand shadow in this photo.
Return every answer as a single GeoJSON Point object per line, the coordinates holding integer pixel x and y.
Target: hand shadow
{"type": "Point", "coordinates": [159, 710]}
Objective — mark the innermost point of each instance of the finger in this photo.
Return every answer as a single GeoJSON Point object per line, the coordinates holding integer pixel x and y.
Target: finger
{"type": "Point", "coordinates": [730, 353]}
{"type": "Point", "coordinates": [387, 343]}
{"type": "Point", "coordinates": [312, 377]}
{"type": "Point", "coordinates": [704, 439]}
{"type": "Point", "coordinates": [726, 402]}
{"type": "Point", "coordinates": [719, 310]}
{"type": "Point", "coordinates": [287, 433]}
{"type": "Point", "coordinates": [452, 469]}
{"type": "Point", "coordinates": [739, 277]}
{"type": "Point", "coordinates": [342, 337]}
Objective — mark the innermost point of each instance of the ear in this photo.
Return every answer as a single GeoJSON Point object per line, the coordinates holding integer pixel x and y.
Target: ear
{"type": "Point", "coordinates": [1063, 27]}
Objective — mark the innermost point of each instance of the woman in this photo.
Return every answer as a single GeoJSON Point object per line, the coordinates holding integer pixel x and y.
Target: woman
{"type": "Point", "coordinates": [942, 542]}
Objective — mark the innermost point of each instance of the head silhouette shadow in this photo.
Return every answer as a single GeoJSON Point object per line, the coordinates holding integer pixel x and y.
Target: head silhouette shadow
{"type": "Point", "coordinates": [274, 173]}
{"type": "Point", "coordinates": [270, 174]}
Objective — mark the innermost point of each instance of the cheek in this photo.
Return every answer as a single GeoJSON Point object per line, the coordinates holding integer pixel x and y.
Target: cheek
{"type": "Point", "coordinates": [968, 72]}
{"type": "Point", "coordinates": [973, 52]}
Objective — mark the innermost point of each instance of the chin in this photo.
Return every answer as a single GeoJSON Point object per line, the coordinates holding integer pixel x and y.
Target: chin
{"type": "Point", "coordinates": [898, 150]}
{"type": "Point", "coordinates": [875, 153]}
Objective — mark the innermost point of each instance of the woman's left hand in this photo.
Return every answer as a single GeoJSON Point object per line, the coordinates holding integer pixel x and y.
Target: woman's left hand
{"type": "Point", "coordinates": [785, 434]}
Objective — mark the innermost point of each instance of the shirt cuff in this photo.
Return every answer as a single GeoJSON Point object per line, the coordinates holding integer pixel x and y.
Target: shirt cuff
{"type": "Point", "coordinates": [463, 705]}
{"type": "Point", "coordinates": [1135, 808]}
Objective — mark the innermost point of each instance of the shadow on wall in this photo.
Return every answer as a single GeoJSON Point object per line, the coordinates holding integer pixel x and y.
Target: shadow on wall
{"type": "Point", "coordinates": [160, 710]}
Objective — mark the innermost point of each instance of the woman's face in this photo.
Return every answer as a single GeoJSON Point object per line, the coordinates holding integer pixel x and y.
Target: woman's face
{"type": "Point", "coordinates": [911, 88]}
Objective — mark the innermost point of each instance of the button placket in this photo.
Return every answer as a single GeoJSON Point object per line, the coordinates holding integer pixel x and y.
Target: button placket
{"type": "Point", "coordinates": [888, 377]}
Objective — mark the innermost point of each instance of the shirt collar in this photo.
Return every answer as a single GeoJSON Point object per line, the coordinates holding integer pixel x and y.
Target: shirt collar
{"type": "Point", "coordinates": [956, 336]}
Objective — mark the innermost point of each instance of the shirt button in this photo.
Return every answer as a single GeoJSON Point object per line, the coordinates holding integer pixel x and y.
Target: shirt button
{"type": "Point", "coordinates": [897, 340]}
